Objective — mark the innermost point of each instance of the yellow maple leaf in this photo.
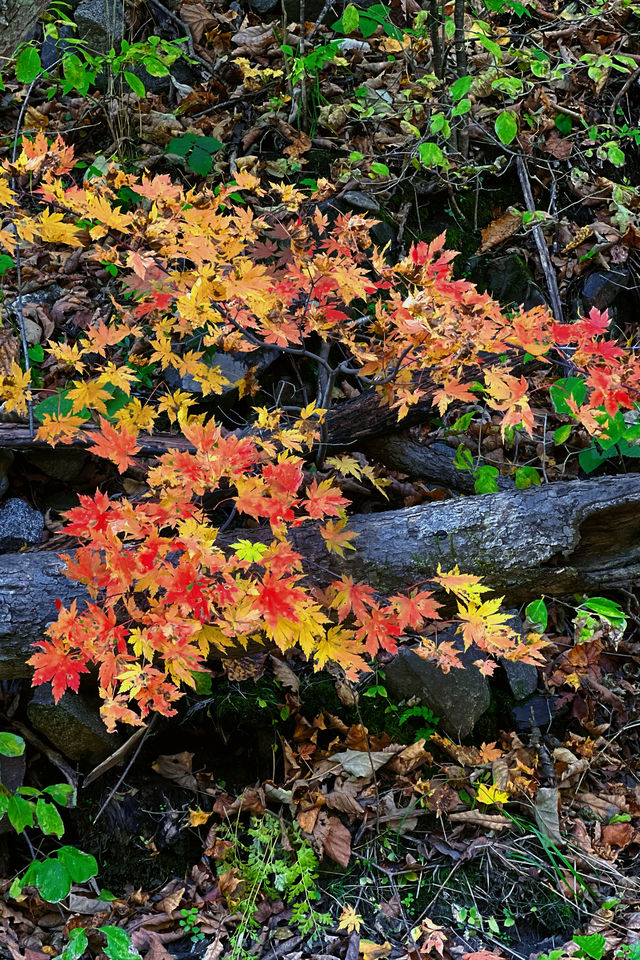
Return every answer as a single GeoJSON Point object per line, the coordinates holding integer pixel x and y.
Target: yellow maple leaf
{"type": "Point", "coordinates": [89, 394]}
{"type": "Point", "coordinates": [349, 920]}
{"type": "Point", "coordinates": [14, 389]}
{"type": "Point", "coordinates": [53, 229]}
{"type": "Point", "coordinates": [491, 794]}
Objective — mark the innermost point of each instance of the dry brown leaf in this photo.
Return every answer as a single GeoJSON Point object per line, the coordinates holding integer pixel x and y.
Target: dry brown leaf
{"type": "Point", "coordinates": [284, 674]}
{"type": "Point", "coordinates": [197, 18]}
{"type": "Point", "coordinates": [9, 350]}
{"type": "Point", "coordinates": [359, 764]}
{"type": "Point", "coordinates": [307, 819]}
{"type": "Point", "coordinates": [499, 230]}
{"type": "Point", "coordinates": [172, 900]}
{"type": "Point", "coordinates": [177, 767]}
{"type": "Point", "coordinates": [343, 798]}
{"type": "Point", "coordinates": [333, 839]}
{"type": "Point", "coordinates": [410, 759]}
{"type": "Point", "coordinates": [547, 815]}
{"type": "Point", "coordinates": [619, 835]}
{"type": "Point", "coordinates": [489, 821]}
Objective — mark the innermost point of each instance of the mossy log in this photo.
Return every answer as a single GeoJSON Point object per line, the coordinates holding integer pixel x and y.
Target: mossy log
{"type": "Point", "coordinates": [581, 536]}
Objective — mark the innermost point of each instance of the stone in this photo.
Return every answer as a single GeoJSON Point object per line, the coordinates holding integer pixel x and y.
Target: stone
{"type": "Point", "coordinates": [359, 200]}
{"type": "Point", "coordinates": [458, 698]}
{"type": "Point", "coordinates": [20, 524]}
{"type": "Point", "coordinates": [602, 288]}
{"type": "Point", "coordinates": [521, 677]}
{"type": "Point", "coordinates": [101, 24]}
{"type": "Point", "coordinates": [509, 280]}
{"type": "Point", "coordinates": [6, 459]}
{"type": "Point", "coordinates": [538, 709]}
{"type": "Point", "coordinates": [73, 725]}
{"type": "Point", "coordinates": [233, 366]}
{"type": "Point", "coordinates": [60, 464]}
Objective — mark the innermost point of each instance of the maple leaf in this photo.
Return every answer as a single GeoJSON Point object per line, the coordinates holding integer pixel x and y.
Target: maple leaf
{"type": "Point", "coordinates": [353, 598]}
{"type": "Point", "coordinates": [117, 445]}
{"type": "Point", "coordinates": [452, 390]}
{"type": "Point", "coordinates": [88, 393]}
{"type": "Point", "coordinates": [336, 537]}
{"type": "Point", "coordinates": [59, 428]}
{"type": "Point", "coordinates": [59, 665]}
{"type": "Point", "coordinates": [323, 499]}
{"type": "Point", "coordinates": [53, 229]}
{"type": "Point", "coordinates": [350, 920]}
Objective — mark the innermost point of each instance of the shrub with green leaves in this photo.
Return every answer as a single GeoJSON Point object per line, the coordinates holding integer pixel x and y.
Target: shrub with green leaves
{"type": "Point", "coordinates": [29, 807]}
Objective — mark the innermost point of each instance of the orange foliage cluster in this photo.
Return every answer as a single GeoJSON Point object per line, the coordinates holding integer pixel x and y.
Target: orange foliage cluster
{"type": "Point", "coordinates": [204, 270]}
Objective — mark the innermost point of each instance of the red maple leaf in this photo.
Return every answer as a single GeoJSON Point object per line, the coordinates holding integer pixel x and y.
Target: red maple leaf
{"type": "Point", "coordinates": [117, 445]}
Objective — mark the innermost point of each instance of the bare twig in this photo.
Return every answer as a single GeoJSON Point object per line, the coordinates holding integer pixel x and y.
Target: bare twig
{"type": "Point", "coordinates": [543, 252]}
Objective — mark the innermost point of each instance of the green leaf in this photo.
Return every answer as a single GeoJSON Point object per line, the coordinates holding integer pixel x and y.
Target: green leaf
{"type": "Point", "coordinates": [380, 169]}
{"type": "Point", "coordinates": [463, 459]}
{"type": "Point", "coordinates": [53, 406]}
{"type": "Point", "coordinates": [28, 65]}
{"type": "Point", "coordinates": [76, 75]}
{"type": "Point", "coordinates": [76, 946]}
{"type": "Point", "coordinates": [607, 609]}
{"type": "Point", "coordinates": [350, 18]}
{"type": "Point", "coordinates": [461, 108]}
{"type": "Point", "coordinates": [200, 161]}
{"type": "Point", "coordinates": [136, 84]}
{"type": "Point", "coordinates": [118, 944]}
{"type": "Point", "coordinates": [591, 458]}
{"type": "Point", "coordinates": [36, 353]}
{"type": "Point", "coordinates": [592, 946]}
{"type": "Point", "coordinates": [562, 434]}
{"type": "Point", "coordinates": [20, 813]}
{"type": "Point", "coordinates": [6, 263]}
{"type": "Point", "coordinates": [180, 146]}
{"type": "Point", "coordinates": [486, 479]}
{"type": "Point", "coordinates": [537, 613]}
{"type": "Point", "coordinates": [53, 880]}
{"type": "Point", "coordinates": [527, 477]}
{"type": "Point", "coordinates": [11, 745]}
{"type": "Point", "coordinates": [81, 866]}
{"type": "Point", "coordinates": [572, 387]}
{"type": "Point", "coordinates": [460, 87]}
{"type": "Point", "coordinates": [49, 820]}
{"type": "Point", "coordinates": [246, 550]}
{"type": "Point", "coordinates": [615, 155]}
{"type": "Point", "coordinates": [431, 155]}
{"type": "Point", "coordinates": [155, 68]}
{"type": "Point", "coordinates": [506, 127]}
{"type": "Point", "coordinates": [60, 792]}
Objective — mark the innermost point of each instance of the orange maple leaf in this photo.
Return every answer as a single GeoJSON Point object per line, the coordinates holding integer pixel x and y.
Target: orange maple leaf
{"type": "Point", "coordinates": [117, 445]}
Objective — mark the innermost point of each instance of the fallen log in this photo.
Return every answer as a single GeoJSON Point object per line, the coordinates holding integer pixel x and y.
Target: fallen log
{"type": "Point", "coordinates": [556, 540]}
{"type": "Point", "coordinates": [423, 461]}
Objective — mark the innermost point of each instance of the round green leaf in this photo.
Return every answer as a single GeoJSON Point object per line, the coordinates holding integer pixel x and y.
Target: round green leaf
{"type": "Point", "coordinates": [11, 745]}
{"type": "Point", "coordinates": [81, 866]}
{"type": "Point", "coordinates": [49, 820]}
{"type": "Point", "coordinates": [118, 944]}
{"type": "Point", "coordinates": [28, 65]}
{"type": "Point", "coordinates": [506, 127]}
{"type": "Point", "coordinates": [53, 880]}
{"type": "Point", "coordinates": [380, 169]}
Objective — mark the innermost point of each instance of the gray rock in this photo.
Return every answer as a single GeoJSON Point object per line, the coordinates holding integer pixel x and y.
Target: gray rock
{"type": "Point", "coordinates": [19, 524]}
{"type": "Point", "coordinates": [358, 200]}
{"type": "Point", "coordinates": [537, 711]}
{"type": "Point", "coordinates": [73, 725]}
{"type": "Point", "coordinates": [521, 677]}
{"type": "Point", "coordinates": [60, 464]}
{"type": "Point", "coordinates": [265, 6]}
{"type": "Point", "coordinates": [602, 288]}
{"type": "Point", "coordinates": [101, 24]}
{"type": "Point", "coordinates": [509, 280]}
{"type": "Point", "coordinates": [459, 698]}
{"type": "Point", "coordinates": [233, 366]}
{"type": "Point", "coordinates": [6, 459]}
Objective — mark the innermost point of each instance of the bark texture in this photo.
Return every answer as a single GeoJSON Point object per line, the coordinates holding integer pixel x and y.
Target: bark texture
{"type": "Point", "coordinates": [30, 584]}
{"type": "Point", "coordinates": [17, 20]}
